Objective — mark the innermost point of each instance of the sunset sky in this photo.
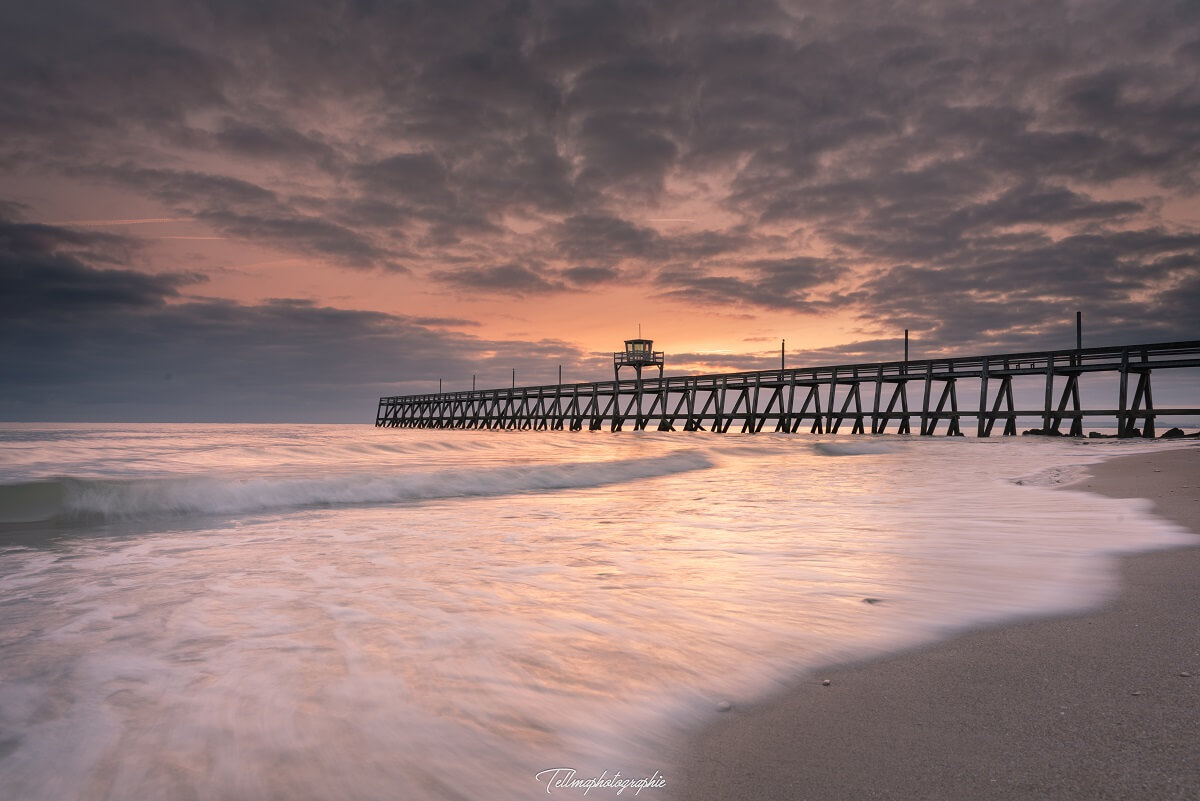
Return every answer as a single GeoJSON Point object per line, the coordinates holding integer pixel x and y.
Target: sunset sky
{"type": "Point", "coordinates": [280, 209]}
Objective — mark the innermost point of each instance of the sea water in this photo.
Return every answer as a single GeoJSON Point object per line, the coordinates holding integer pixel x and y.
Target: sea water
{"type": "Point", "coordinates": [316, 613]}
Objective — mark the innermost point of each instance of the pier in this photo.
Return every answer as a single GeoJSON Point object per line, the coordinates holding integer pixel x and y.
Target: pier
{"type": "Point", "coordinates": [865, 398]}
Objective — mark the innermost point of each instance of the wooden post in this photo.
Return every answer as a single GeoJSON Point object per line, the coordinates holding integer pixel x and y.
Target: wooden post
{"type": "Point", "coordinates": [639, 423]}
{"type": "Point", "coordinates": [981, 430]}
{"type": "Point", "coordinates": [1143, 401]}
{"type": "Point", "coordinates": [752, 416]}
{"type": "Point", "coordinates": [875, 406]}
{"type": "Point", "coordinates": [596, 422]}
{"type": "Point", "coordinates": [832, 388]}
{"type": "Point", "coordinates": [857, 426]}
{"type": "Point", "coordinates": [1049, 393]}
{"type": "Point", "coordinates": [709, 401]}
{"type": "Point", "coordinates": [689, 394]}
{"type": "Point", "coordinates": [719, 425]}
{"type": "Point", "coordinates": [925, 402]}
{"type": "Point", "coordinates": [1148, 427]}
{"type": "Point", "coordinates": [787, 420]}
{"type": "Point", "coordinates": [1122, 423]}
{"type": "Point", "coordinates": [815, 393]}
{"type": "Point", "coordinates": [954, 430]}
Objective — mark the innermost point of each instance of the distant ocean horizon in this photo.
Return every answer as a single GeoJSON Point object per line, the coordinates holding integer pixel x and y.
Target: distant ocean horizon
{"type": "Point", "coordinates": [228, 611]}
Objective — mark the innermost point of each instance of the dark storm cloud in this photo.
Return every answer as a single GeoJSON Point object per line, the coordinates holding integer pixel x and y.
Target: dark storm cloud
{"type": "Point", "coordinates": [1043, 205]}
{"type": "Point", "coordinates": [244, 210]}
{"type": "Point", "coordinates": [82, 81]}
{"type": "Point", "coordinates": [276, 141]}
{"type": "Point", "coordinates": [590, 276]}
{"type": "Point", "coordinates": [85, 342]}
{"type": "Point", "coordinates": [507, 279]}
{"type": "Point", "coordinates": [45, 274]}
{"type": "Point", "coordinates": [775, 284]}
{"type": "Point", "coordinates": [1129, 282]}
{"type": "Point", "coordinates": [606, 238]}
{"type": "Point", "coordinates": [191, 191]}
{"type": "Point", "coordinates": [215, 360]}
{"type": "Point", "coordinates": [416, 177]}
{"type": "Point", "coordinates": [307, 235]}
{"type": "Point", "coordinates": [627, 120]}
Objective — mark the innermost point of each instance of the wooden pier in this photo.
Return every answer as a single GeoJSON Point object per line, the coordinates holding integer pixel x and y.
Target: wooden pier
{"type": "Point", "coordinates": [870, 398]}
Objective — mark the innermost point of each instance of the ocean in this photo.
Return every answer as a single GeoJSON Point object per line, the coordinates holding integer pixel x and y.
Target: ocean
{"type": "Point", "coordinates": [315, 613]}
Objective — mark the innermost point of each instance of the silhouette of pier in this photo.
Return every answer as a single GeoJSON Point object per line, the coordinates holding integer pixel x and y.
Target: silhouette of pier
{"type": "Point", "coordinates": [873, 397]}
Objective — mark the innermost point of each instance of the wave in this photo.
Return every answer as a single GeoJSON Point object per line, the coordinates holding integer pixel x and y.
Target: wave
{"type": "Point", "coordinates": [1053, 476]}
{"type": "Point", "coordinates": [70, 499]}
{"type": "Point", "coordinates": [852, 448]}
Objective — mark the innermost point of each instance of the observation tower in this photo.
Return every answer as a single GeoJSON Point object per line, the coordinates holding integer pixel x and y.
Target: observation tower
{"type": "Point", "coordinates": [638, 353]}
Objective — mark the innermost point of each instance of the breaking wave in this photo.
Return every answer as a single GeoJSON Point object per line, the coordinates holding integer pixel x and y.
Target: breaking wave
{"type": "Point", "coordinates": [87, 499]}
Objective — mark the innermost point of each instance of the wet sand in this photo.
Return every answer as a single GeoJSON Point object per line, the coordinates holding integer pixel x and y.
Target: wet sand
{"type": "Point", "coordinates": [1100, 706]}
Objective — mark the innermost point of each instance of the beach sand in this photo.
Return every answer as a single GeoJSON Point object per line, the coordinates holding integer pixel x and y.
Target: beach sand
{"type": "Point", "coordinates": [1100, 706]}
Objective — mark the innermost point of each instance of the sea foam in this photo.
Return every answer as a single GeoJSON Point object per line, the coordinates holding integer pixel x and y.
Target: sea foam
{"type": "Point", "coordinates": [89, 499]}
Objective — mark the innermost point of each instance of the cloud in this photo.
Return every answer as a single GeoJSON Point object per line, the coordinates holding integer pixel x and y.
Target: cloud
{"type": "Point", "coordinates": [303, 234]}
{"type": "Point", "coordinates": [769, 283]}
{"type": "Point", "coordinates": [590, 276]}
{"type": "Point", "coordinates": [244, 210]}
{"type": "Point", "coordinates": [85, 342]}
{"type": "Point", "coordinates": [45, 273]}
{"type": "Point", "coordinates": [274, 141]}
{"type": "Point", "coordinates": [509, 279]}
{"type": "Point", "coordinates": [416, 177]}
{"type": "Point", "coordinates": [1129, 284]}
{"type": "Point", "coordinates": [83, 82]}
{"type": "Point", "coordinates": [605, 238]}
{"type": "Point", "coordinates": [190, 190]}
{"type": "Point", "coordinates": [969, 172]}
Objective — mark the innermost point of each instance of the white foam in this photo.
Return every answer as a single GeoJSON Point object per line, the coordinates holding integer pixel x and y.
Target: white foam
{"type": "Point", "coordinates": [124, 499]}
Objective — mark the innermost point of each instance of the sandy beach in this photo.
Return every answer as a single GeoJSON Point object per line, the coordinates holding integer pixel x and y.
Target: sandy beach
{"type": "Point", "coordinates": [1099, 706]}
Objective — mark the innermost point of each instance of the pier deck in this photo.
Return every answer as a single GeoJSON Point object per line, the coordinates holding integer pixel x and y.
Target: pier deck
{"type": "Point", "coordinates": [873, 397]}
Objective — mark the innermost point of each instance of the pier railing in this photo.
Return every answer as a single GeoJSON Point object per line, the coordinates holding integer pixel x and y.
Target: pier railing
{"type": "Point", "coordinates": [823, 399]}
{"type": "Point", "coordinates": [622, 358]}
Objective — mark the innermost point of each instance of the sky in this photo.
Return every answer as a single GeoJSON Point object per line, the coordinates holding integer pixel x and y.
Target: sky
{"type": "Point", "coordinates": [279, 210]}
